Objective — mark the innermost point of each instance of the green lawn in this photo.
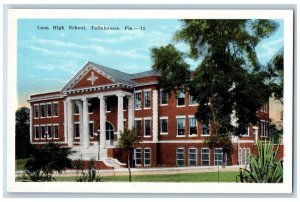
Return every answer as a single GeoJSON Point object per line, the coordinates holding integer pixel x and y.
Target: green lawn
{"type": "Point", "coordinates": [184, 177]}
{"type": "Point", "coordinates": [20, 163]}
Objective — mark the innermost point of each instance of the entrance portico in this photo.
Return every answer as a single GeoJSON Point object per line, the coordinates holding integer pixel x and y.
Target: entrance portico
{"type": "Point", "coordinates": [82, 103]}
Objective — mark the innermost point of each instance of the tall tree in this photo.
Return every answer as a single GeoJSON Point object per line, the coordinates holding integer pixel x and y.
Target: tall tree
{"type": "Point", "coordinates": [22, 141]}
{"type": "Point", "coordinates": [128, 141]}
{"type": "Point", "coordinates": [229, 82]}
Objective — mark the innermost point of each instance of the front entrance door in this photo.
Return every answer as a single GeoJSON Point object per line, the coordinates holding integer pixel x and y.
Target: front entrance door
{"type": "Point", "coordinates": [109, 133]}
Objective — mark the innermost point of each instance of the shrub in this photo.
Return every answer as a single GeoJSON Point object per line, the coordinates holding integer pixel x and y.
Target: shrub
{"type": "Point", "coordinates": [90, 175]}
{"type": "Point", "coordinates": [45, 161]}
{"type": "Point", "coordinates": [264, 168]}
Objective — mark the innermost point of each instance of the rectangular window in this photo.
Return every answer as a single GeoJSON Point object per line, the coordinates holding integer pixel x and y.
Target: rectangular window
{"type": "Point", "coordinates": [192, 101]}
{"type": "Point", "coordinates": [147, 127]}
{"type": "Point", "coordinates": [246, 132]}
{"type": "Point", "coordinates": [90, 107]}
{"type": "Point", "coordinates": [193, 125]}
{"type": "Point", "coordinates": [218, 157]}
{"type": "Point", "coordinates": [137, 100]}
{"type": "Point", "coordinates": [138, 125]}
{"type": "Point", "coordinates": [180, 126]}
{"type": "Point", "coordinates": [180, 157]}
{"type": "Point", "coordinates": [163, 97]}
{"type": "Point", "coordinates": [76, 108]}
{"type": "Point", "coordinates": [49, 110]}
{"type": "Point", "coordinates": [91, 129]}
{"type": "Point", "coordinates": [43, 131]}
{"type": "Point", "coordinates": [55, 131]}
{"type": "Point", "coordinates": [147, 102]}
{"type": "Point", "coordinates": [163, 126]}
{"type": "Point", "coordinates": [138, 156]}
{"type": "Point", "coordinates": [108, 105]}
{"type": "Point", "coordinates": [43, 110]}
{"type": "Point", "coordinates": [192, 156]}
{"type": "Point", "coordinates": [36, 132]}
{"type": "Point", "coordinates": [77, 130]}
{"type": "Point", "coordinates": [181, 99]}
{"type": "Point", "coordinates": [49, 131]}
{"type": "Point", "coordinates": [264, 129]}
{"type": "Point", "coordinates": [205, 157]}
{"type": "Point", "coordinates": [36, 111]}
{"type": "Point", "coordinates": [55, 109]}
{"type": "Point", "coordinates": [205, 129]}
{"type": "Point", "coordinates": [147, 156]}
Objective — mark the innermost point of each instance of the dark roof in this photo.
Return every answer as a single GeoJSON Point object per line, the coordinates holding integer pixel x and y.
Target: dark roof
{"type": "Point", "coordinates": [123, 77]}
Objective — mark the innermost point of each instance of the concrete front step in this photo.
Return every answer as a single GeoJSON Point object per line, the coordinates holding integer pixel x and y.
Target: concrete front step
{"type": "Point", "coordinates": [111, 162]}
{"type": "Point", "coordinates": [88, 153]}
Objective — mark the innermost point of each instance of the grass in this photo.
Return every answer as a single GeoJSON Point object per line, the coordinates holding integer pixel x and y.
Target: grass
{"type": "Point", "coordinates": [229, 176]}
{"type": "Point", "coordinates": [20, 163]}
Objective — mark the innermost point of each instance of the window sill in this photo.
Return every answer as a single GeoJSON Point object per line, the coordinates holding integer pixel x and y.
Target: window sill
{"type": "Point", "coordinates": [194, 105]}
{"type": "Point", "coordinates": [193, 135]}
{"type": "Point", "coordinates": [180, 135]}
{"type": "Point", "coordinates": [180, 105]}
{"type": "Point", "coordinates": [147, 136]}
{"type": "Point", "coordinates": [54, 116]}
{"type": "Point", "coordinates": [163, 133]}
{"type": "Point", "coordinates": [147, 108]}
{"type": "Point", "coordinates": [163, 104]}
{"type": "Point", "coordinates": [205, 135]}
{"type": "Point", "coordinates": [138, 109]}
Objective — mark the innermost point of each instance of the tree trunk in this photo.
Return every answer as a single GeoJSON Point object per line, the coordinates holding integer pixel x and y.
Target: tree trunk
{"type": "Point", "coordinates": [128, 163]}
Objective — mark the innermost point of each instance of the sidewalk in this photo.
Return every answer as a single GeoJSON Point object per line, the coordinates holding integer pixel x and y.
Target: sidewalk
{"type": "Point", "coordinates": [151, 171]}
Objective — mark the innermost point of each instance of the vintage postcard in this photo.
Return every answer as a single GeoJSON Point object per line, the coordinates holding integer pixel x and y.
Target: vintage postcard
{"type": "Point", "coordinates": [150, 101]}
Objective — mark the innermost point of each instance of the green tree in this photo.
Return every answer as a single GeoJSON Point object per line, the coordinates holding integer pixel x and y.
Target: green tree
{"type": "Point", "coordinates": [128, 141]}
{"type": "Point", "coordinates": [275, 68]}
{"type": "Point", "coordinates": [45, 161]}
{"type": "Point", "coordinates": [22, 141]}
{"type": "Point", "coordinates": [229, 81]}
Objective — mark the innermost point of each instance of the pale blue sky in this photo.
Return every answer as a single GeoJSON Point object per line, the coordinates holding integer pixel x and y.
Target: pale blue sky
{"type": "Point", "coordinates": [47, 59]}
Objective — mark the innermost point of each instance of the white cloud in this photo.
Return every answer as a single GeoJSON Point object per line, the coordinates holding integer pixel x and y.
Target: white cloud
{"type": "Point", "coordinates": [270, 48]}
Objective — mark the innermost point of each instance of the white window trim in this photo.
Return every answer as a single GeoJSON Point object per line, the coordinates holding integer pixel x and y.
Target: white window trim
{"type": "Point", "coordinates": [55, 124]}
{"type": "Point", "coordinates": [75, 130]}
{"type": "Point", "coordinates": [145, 157]}
{"type": "Point", "coordinates": [248, 133]}
{"type": "Point", "coordinates": [38, 109]}
{"type": "Point", "coordinates": [51, 125]}
{"type": "Point", "coordinates": [215, 156]}
{"type": "Point", "coordinates": [160, 96]}
{"type": "Point", "coordinates": [180, 117]}
{"type": "Point", "coordinates": [195, 153]}
{"type": "Point", "coordinates": [93, 129]}
{"type": "Point", "coordinates": [49, 103]}
{"type": "Point", "coordinates": [193, 135]}
{"type": "Point", "coordinates": [183, 156]}
{"type": "Point", "coordinates": [147, 90]}
{"type": "Point", "coordinates": [37, 126]}
{"type": "Point", "coordinates": [265, 121]}
{"type": "Point", "coordinates": [41, 135]}
{"type": "Point", "coordinates": [135, 156]}
{"type": "Point", "coordinates": [138, 91]}
{"type": "Point", "coordinates": [195, 104]}
{"type": "Point", "coordinates": [205, 135]}
{"type": "Point", "coordinates": [42, 117]}
{"type": "Point", "coordinates": [208, 155]}
{"type": "Point", "coordinates": [145, 119]}
{"type": "Point", "coordinates": [163, 118]}
{"type": "Point", "coordinates": [181, 105]}
{"type": "Point", "coordinates": [57, 109]}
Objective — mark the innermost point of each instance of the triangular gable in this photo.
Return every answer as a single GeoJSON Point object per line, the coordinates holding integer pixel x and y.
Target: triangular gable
{"type": "Point", "coordinates": [89, 76]}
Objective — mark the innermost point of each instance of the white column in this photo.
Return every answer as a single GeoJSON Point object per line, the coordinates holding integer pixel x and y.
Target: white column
{"type": "Point", "coordinates": [155, 115]}
{"type": "Point", "coordinates": [102, 122]}
{"type": "Point", "coordinates": [120, 114]}
{"type": "Point", "coordinates": [130, 112]}
{"type": "Point", "coordinates": [30, 123]}
{"type": "Point", "coordinates": [66, 121]}
{"type": "Point", "coordinates": [70, 123]}
{"type": "Point", "coordinates": [79, 104]}
{"type": "Point", "coordinates": [85, 123]}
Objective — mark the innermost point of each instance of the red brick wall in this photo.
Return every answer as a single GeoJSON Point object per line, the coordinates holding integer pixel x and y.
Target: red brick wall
{"type": "Point", "coordinates": [49, 120]}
